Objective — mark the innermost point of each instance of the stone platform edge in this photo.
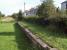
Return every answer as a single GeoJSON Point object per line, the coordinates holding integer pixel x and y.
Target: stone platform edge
{"type": "Point", "coordinates": [36, 40]}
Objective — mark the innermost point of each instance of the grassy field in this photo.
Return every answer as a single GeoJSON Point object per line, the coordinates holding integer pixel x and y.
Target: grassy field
{"type": "Point", "coordinates": [12, 38]}
{"type": "Point", "coordinates": [55, 39]}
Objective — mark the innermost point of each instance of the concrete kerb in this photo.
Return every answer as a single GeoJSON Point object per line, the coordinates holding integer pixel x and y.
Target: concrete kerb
{"type": "Point", "coordinates": [36, 40]}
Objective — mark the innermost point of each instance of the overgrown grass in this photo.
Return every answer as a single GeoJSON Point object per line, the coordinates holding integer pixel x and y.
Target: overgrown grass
{"type": "Point", "coordinates": [12, 38]}
{"type": "Point", "coordinates": [53, 38]}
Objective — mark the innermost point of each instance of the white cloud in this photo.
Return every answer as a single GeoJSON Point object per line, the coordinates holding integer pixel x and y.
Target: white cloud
{"type": "Point", "coordinates": [10, 6]}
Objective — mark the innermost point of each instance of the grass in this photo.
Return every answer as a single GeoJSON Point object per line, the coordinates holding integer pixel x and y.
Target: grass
{"type": "Point", "coordinates": [12, 38]}
{"type": "Point", "coordinates": [54, 39]}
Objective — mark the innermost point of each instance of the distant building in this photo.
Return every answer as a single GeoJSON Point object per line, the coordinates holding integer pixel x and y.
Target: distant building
{"type": "Point", "coordinates": [64, 5]}
{"type": "Point", "coordinates": [31, 12]}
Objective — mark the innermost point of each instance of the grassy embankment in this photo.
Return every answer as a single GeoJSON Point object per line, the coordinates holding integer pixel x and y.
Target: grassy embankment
{"type": "Point", "coordinates": [55, 39]}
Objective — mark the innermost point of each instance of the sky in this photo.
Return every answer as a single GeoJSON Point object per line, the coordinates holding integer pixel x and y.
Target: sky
{"type": "Point", "coordinates": [8, 7]}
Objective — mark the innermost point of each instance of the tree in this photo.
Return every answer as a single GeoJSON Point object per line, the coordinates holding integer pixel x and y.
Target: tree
{"type": "Point", "coordinates": [1, 15]}
{"type": "Point", "coordinates": [20, 15]}
{"type": "Point", "coordinates": [46, 9]}
{"type": "Point", "coordinates": [42, 11]}
{"type": "Point", "coordinates": [14, 15]}
{"type": "Point", "coordinates": [58, 13]}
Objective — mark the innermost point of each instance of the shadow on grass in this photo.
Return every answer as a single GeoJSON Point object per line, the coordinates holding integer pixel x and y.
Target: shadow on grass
{"type": "Point", "coordinates": [22, 41]}
{"type": "Point", "coordinates": [7, 34]}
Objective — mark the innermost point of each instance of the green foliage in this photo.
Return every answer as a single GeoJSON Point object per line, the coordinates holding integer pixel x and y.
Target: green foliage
{"type": "Point", "coordinates": [31, 19]}
{"type": "Point", "coordinates": [58, 12]}
{"type": "Point", "coordinates": [42, 11]}
{"type": "Point", "coordinates": [46, 9]}
{"type": "Point", "coordinates": [1, 15]}
{"type": "Point", "coordinates": [20, 15]}
{"type": "Point", "coordinates": [14, 15]}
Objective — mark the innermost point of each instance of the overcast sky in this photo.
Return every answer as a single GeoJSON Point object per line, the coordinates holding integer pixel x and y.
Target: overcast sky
{"type": "Point", "coordinates": [10, 6]}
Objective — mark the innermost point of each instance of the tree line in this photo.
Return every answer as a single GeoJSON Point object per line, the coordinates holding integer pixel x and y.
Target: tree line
{"type": "Point", "coordinates": [47, 14]}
